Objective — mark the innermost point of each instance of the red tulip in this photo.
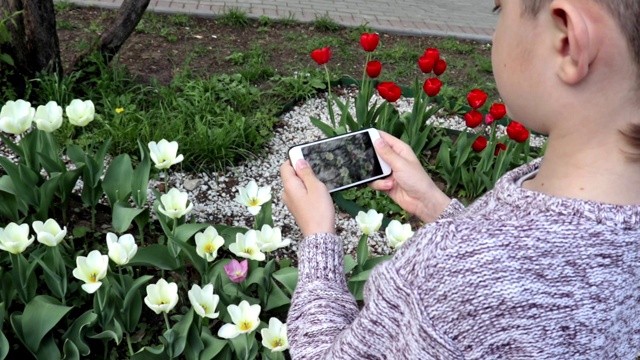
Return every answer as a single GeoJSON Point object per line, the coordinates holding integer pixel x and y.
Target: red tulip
{"type": "Point", "coordinates": [498, 111]}
{"type": "Point", "coordinates": [321, 56]}
{"type": "Point", "coordinates": [488, 119]}
{"type": "Point", "coordinates": [473, 118]}
{"type": "Point", "coordinates": [517, 132]}
{"type": "Point", "coordinates": [389, 91]}
{"type": "Point", "coordinates": [374, 68]}
{"type": "Point", "coordinates": [476, 98]}
{"type": "Point", "coordinates": [432, 86]}
{"type": "Point", "coordinates": [499, 146]}
{"type": "Point", "coordinates": [440, 67]}
{"type": "Point", "coordinates": [479, 144]}
{"type": "Point", "coordinates": [432, 54]}
{"type": "Point", "coordinates": [369, 42]}
{"type": "Point", "coordinates": [426, 64]}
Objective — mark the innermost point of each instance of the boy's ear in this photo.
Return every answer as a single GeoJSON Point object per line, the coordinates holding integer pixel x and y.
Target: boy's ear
{"type": "Point", "coordinates": [574, 40]}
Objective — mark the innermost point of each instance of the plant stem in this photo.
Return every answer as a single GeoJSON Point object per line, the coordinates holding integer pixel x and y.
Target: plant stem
{"type": "Point", "coordinates": [141, 231]}
{"type": "Point", "coordinates": [166, 320]}
{"type": "Point", "coordinates": [246, 346]}
{"type": "Point", "coordinates": [166, 181]}
{"type": "Point", "coordinates": [124, 289]}
{"type": "Point", "coordinates": [129, 344]}
{"type": "Point", "coordinates": [333, 120]}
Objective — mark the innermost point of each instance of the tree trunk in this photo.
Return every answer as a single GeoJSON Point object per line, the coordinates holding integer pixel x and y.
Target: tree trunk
{"type": "Point", "coordinates": [34, 41]}
{"type": "Point", "coordinates": [129, 15]}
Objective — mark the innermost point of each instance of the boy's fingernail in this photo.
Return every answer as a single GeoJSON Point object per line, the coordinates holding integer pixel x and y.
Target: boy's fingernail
{"type": "Point", "coordinates": [302, 164]}
{"type": "Point", "coordinates": [380, 143]}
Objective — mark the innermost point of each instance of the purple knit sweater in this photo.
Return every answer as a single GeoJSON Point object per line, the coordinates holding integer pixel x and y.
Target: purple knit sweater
{"type": "Point", "coordinates": [516, 275]}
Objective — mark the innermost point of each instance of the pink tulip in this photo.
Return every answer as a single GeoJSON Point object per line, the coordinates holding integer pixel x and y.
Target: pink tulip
{"type": "Point", "coordinates": [237, 271]}
{"type": "Point", "coordinates": [488, 119]}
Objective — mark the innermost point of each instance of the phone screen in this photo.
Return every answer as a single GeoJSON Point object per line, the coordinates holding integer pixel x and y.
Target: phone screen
{"type": "Point", "coordinates": [343, 161]}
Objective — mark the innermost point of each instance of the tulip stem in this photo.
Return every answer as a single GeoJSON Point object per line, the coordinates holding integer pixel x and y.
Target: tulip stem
{"type": "Point", "coordinates": [246, 346]}
{"type": "Point", "coordinates": [166, 320]}
{"type": "Point", "coordinates": [129, 344]}
{"type": "Point", "coordinates": [124, 289]}
{"type": "Point", "coordinates": [333, 120]}
{"type": "Point", "coordinates": [166, 181]}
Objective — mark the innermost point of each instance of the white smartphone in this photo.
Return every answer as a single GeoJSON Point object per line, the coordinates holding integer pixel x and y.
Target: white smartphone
{"type": "Point", "coordinates": [343, 161]}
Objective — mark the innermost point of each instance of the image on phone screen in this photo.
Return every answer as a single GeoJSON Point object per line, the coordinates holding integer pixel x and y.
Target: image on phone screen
{"type": "Point", "coordinates": [343, 161]}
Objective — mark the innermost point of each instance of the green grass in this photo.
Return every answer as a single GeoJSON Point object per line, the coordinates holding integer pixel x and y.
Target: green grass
{"type": "Point", "coordinates": [65, 25]}
{"type": "Point", "coordinates": [234, 16]}
{"type": "Point", "coordinates": [63, 5]}
{"type": "Point", "coordinates": [326, 23]}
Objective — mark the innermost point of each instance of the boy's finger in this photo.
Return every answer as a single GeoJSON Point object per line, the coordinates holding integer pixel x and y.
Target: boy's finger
{"type": "Point", "coordinates": [387, 154]}
{"type": "Point", "coordinates": [304, 172]}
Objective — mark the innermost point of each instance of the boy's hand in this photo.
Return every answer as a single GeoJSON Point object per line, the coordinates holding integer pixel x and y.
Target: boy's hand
{"type": "Point", "coordinates": [409, 185]}
{"type": "Point", "coordinates": [307, 199]}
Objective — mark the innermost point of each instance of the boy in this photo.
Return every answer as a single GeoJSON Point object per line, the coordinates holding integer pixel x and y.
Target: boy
{"type": "Point", "coordinates": [544, 266]}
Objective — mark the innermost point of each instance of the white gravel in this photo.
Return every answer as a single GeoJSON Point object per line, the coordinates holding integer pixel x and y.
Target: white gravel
{"type": "Point", "coordinates": [213, 194]}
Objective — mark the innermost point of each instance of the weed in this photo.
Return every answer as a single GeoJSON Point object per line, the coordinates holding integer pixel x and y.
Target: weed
{"type": "Point", "coordinates": [265, 21]}
{"type": "Point", "coordinates": [95, 27]}
{"type": "Point", "coordinates": [180, 20]}
{"type": "Point", "coordinates": [289, 20]}
{"type": "Point", "coordinates": [454, 46]}
{"type": "Point", "coordinates": [326, 23]}
{"type": "Point", "coordinates": [236, 58]}
{"type": "Point", "coordinates": [483, 63]}
{"type": "Point", "coordinates": [63, 5]}
{"type": "Point", "coordinates": [235, 17]}
{"type": "Point", "coordinates": [65, 25]}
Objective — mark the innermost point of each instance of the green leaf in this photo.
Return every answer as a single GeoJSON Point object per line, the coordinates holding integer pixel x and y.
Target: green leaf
{"type": "Point", "coordinates": [111, 332]}
{"type": "Point", "coordinates": [4, 346]}
{"type": "Point", "coordinates": [277, 297]}
{"type": "Point", "coordinates": [264, 217]}
{"type": "Point", "coordinates": [15, 148]}
{"type": "Point", "coordinates": [76, 154]}
{"type": "Point", "coordinates": [362, 276]}
{"type": "Point", "coordinates": [77, 331]}
{"type": "Point", "coordinates": [349, 263]}
{"type": "Point", "coordinates": [117, 179]}
{"type": "Point", "coordinates": [190, 251]}
{"type": "Point", "coordinates": [326, 129]}
{"type": "Point", "coordinates": [132, 305]}
{"type": "Point", "coordinates": [212, 345]}
{"type": "Point", "coordinates": [363, 250]}
{"type": "Point", "coordinates": [150, 353]}
{"type": "Point", "coordinates": [45, 196]}
{"type": "Point", "coordinates": [256, 276]}
{"type": "Point", "coordinates": [40, 316]}
{"type": "Point", "coordinates": [123, 216]}
{"type": "Point", "coordinates": [7, 59]}
{"type": "Point", "coordinates": [194, 343]}
{"type": "Point", "coordinates": [157, 256]}
{"type": "Point", "coordinates": [71, 352]}
{"type": "Point", "coordinates": [80, 231]}
{"type": "Point", "coordinates": [186, 231]}
{"type": "Point", "coordinates": [176, 345]}
{"type": "Point", "coordinates": [140, 181]}
{"type": "Point", "coordinates": [372, 262]}
{"type": "Point", "coordinates": [288, 277]}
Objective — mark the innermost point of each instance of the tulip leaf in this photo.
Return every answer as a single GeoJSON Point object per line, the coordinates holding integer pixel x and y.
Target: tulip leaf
{"type": "Point", "coordinates": [177, 339]}
{"type": "Point", "coordinates": [264, 217]}
{"type": "Point", "coordinates": [212, 345]}
{"type": "Point", "coordinates": [117, 179]}
{"type": "Point", "coordinates": [51, 164]}
{"type": "Point", "coordinates": [256, 276]}
{"type": "Point", "coordinates": [11, 145]}
{"type": "Point", "coordinates": [113, 332]}
{"type": "Point", "coordinates": [194, 343]}
{"type": "Point", "coordinates": [157, 256]}
{"type": "Point", "coordinates": [132, 305]}
{"type": "Point", "coordinates": [45, 196]}
{"type": "Point", "coordinates": [372, 262]}
{"type": "Point", "coordinates": [363, 250]}
{"type": "Point", "coordinates": [140, 180]}
{"type": "Point", "coordinates": [150, 353]}
{"type": "Point", "coordinates": [24, 180]}
{"type": "Point", "coordinates": [190, 251]}
{"type": "Point", "coordinates": [288, 277]}
{"type": "Point", "coordinates": [4, 346]}
{"type": "Point", "coordinates": [229, 234]}
{"type": "Point", "coordinates": [349, 263]}
{"type": "Point", "coordinates": [77, 331]}
{"type": "Point", "coordinates": [123, 216]}
{"type": "Point", "coordinates": [8, 205]}
{"type": "Point", "coordinates": [326, 129]}
{"type": "Point", "coordinates": [76, 154]}
{"type": "Point", "coordinates": [361, 276]}
{"type": "Point", "coordinates": [40, 316]}
{"type": "Point", "coordinates": [71, 352]}
{"type": "Point", "coordinates": [186, 231]}
{"type": "Point", "coordinates": [55, 283]}
{"type": "Point", "coordinates": [277, 297]}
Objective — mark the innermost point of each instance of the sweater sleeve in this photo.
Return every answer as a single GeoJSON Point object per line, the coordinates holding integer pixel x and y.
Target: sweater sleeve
{"type": "Point", "coordinates": [324, 321]}
{"type": "Point", "coordinates": [454, 208]}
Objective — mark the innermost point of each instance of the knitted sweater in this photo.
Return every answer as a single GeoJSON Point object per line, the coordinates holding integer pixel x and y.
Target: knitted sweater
{"type": "Point", "coordinates": [516, 275]}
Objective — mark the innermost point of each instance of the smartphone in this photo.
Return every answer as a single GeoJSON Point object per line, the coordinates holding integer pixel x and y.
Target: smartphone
{"type": "Point", "coordinates": [343, 161]}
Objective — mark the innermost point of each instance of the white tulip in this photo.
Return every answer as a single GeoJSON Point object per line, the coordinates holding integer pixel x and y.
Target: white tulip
{"type": "Point", "coordinates": [161, 296]}
{"type": "Point", "coordinates": [369, 222]}
{"type": "Point", "coordinates": [48, 117]}
{"type": "Point", "coordinates": [16, 117]}
{"type": "Point", "coordinates": [80, 113]}
{"type": "Point", "coordinates": [253, 197]}
{"type": "Point", "coordinates": [275, 336]}
{"type": "Point", "coordinates": [269, 239]}
{"type": "Point", "coordinates": [174, 204]}
{"type": "Point", "coordinates": [49, 232]}
{"type": "Point", "coordinates": [398, 233]}
{"type": "Point", "coordinates": [246, 246]}
{"type": "Point", "coordinates": [15, 238]}
{"type": "Point", "coordinates": [91, 269]}
{"type": "Point", "coordinates": [245, 317]}
{"type": "Point", "coordinates": [164, 153]}
{"type": "Point", "coordinates": [208, 243]}
{"type": "Point", "coordinates": [204, 301]}
{"type": "Point", "coordinates": [121, 249]}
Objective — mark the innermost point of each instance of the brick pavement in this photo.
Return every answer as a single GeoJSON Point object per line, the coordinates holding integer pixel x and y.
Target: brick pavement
{"type": "Point", "coordinates": [466, 19]}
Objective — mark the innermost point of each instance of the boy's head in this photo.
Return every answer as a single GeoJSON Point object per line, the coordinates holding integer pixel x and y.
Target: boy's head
{"type": "Point", "coordinates": [571, 68]}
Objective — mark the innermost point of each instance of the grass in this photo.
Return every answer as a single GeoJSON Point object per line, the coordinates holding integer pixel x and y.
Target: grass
{"type": "Point", "coordinates": [234, 16]}
{"type": "Point", "coordinates": [326, 23]}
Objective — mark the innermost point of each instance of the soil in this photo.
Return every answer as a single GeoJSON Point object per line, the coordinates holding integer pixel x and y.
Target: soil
{"type": "Point", "coordinates": [159, 48]}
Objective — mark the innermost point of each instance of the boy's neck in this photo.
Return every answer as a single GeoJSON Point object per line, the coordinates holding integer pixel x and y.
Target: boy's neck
{"type": "Point", "coordinates": [596, 173]}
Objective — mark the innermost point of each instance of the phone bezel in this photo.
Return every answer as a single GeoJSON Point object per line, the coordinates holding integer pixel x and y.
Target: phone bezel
{"type": "Point", "coordinates": [295, 154]}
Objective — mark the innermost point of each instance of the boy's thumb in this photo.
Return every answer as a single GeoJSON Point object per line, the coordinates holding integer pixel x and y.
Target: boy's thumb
{"type": "Point", "coordinates": [304, 171]}
{"type": "Point", "coordinates": [387, 153]}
